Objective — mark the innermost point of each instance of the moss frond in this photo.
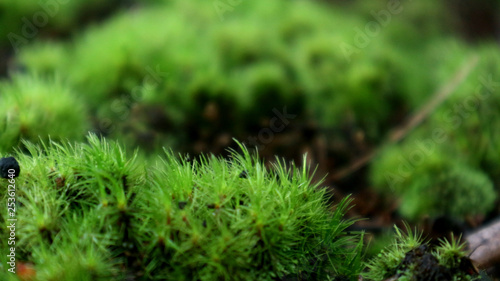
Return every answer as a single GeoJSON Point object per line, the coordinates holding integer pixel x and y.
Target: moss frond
{"type": "Point", "coordinates": [386, 263]}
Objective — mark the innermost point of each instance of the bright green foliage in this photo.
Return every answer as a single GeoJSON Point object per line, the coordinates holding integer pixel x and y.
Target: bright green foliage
{"type": "Point", "coordinates": [456, 190]}
{"type": "Point", "coordinates": [90, 212]}
{"type": "Point", "coordinates": [448, 165]}
{"type": "Point", "coordinates": [23, 21]}
{"type": "Point", "coordinates": [409, 257]}
{"type": "Point", "coordinates": [181, 57]}
{"type": "Point", "coordinates": [428, 19]}
{"type": "Point", "coordinates": [450, 253]}
{"type": "Point", "coordinates": [34, 107]}
{"type": "Point", "coordinates": [470, 117]}
{"type": "Point", "coordinates": [386, 262]}
{"type": "Point", "coordinates": [431, 181]}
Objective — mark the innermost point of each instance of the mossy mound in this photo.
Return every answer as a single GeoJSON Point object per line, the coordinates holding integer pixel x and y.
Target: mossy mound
{"type": "Point", "coordinates": [89, 212]}
{"type": "Point", "coordinates": [409, 257]}
{"type": "Point", "coordinates": [23, 21]}
{"type": "Point", "coordinates": [34, 108]}
{"type": "Point", "coordinates": [431, 181]}
{"type": "Point", "coordinates": [226, 73]}
{"type": "Point", "coordinates": [446, 166]}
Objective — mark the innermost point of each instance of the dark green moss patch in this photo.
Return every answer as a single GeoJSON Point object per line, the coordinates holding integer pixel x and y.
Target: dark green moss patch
{"type": "Point", "coordinates": [424, 266]}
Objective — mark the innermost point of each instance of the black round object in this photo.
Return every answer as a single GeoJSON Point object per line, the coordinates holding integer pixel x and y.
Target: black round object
{"type": "Point", "coordinates": [9, 163]}
{"type": "Point", "coordinates": [182, 204]}
{"type": "Point", "coordinates": [243, 175]}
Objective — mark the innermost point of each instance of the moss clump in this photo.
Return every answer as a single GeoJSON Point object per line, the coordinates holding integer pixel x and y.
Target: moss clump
{"type": "Point", "coordinates": [23, 21]}
{"type": "Point", "coordinates": [469, 118]}
{"type": "Point", "coordinates": [199, 69]}
{"type": "Point", "coordinates": [34, 107]}
{"type": "Point", "coordinates": [409, 257]}
{"type": "Point", "coordinates": [457, 190]}
{"type": "Point", "coordinates": [431, 181]}
{"type": "Point", "coordinates": [446, 167]}
{"type": "Point", "coordinates": [106, 216]}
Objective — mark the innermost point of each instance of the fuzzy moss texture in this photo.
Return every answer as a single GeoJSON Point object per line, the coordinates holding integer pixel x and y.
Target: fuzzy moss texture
{"type": "Point", "coordinates": [33, 107]}
{"type": "Point", "coordinates": [179, 61]}
{"type": "Point", "coordinates": [90, 212]}
{"type": "Point", "coordinates": [453, 155]}
{"type": "Point", "coordinates": [179, 58]}
{"type": "Point", "coordinates": [410, 257]}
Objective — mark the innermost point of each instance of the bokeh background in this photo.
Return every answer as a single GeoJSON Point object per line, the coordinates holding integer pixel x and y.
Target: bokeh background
{"type": "Point", "coordinates": [331, 79]}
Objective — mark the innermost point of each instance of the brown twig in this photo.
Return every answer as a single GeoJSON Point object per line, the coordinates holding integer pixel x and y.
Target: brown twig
{"type": "Point", "coordinates": [399, 133]}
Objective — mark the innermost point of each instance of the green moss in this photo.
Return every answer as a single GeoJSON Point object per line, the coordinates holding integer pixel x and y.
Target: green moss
{"type": "Point", "coordinates": [469, 116]}
{"type": "Point", "coordinates": [24, 21]}
{"type": "Point", "coordinates": [246, 67]}
{"type": "Point", "coordinates": [34, 107]}
{"type": "Point", "coordinates": [457, 190]}
{"type": "Point", "coordinates": [409, 257]}
{"type": "Point", "coordinates": [452, 154]}
{"type": "Point", "coordinates": [385, 264]}
{"type": "Point", "coordinates": [430, 180]}
{"type": "Point", "coordinates": [108, 215]}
